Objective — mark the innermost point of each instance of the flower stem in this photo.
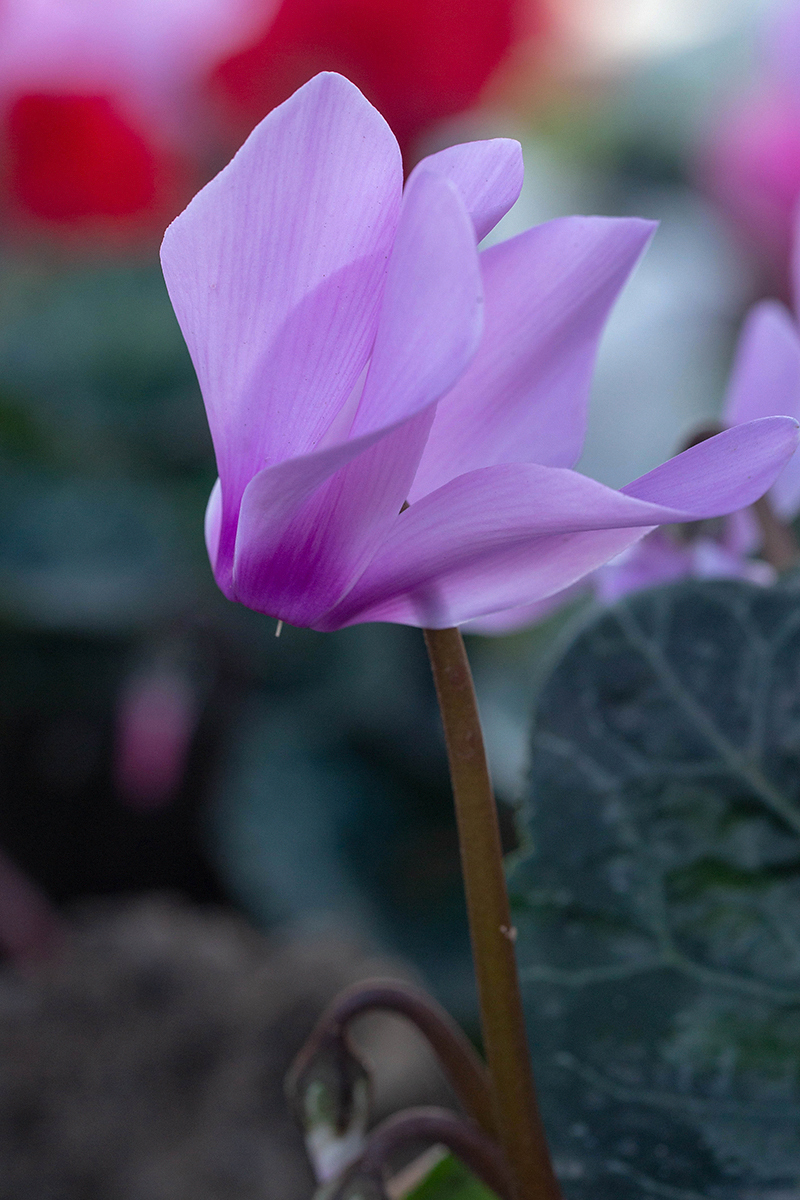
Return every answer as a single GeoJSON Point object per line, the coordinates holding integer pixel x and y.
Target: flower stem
{"type": "Point", "coordinates": [517, 1116]}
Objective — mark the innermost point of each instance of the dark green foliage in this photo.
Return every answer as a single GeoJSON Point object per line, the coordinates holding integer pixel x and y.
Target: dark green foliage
{"type": "Point", "coordinates": [658, 898]}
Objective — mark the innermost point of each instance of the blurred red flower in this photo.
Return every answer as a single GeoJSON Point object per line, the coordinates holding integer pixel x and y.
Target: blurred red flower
{"type": "Point", "coordinates": [102, 121]}
{"type": "Point", "coordinates": [416, 60]}
{"type": "Point", "coordinates": [71, 157]}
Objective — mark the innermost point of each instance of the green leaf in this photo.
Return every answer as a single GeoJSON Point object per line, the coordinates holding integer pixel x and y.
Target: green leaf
{"type": "Point", "coordinates": [450, 1180]}
{"type": "Point", "coordinates": [657, 899]}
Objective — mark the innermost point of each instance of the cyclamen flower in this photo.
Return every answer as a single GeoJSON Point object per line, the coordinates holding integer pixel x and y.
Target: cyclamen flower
{"type": "Point", "coordinates": [386, 452]}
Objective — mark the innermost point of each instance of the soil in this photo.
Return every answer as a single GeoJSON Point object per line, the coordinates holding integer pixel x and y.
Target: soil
{"type": "Point", "coordinates": [145, 1060]}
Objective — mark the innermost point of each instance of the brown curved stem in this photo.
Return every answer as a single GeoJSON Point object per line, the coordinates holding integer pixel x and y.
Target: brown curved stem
{"type": "Point", "coordinates": [433, 1126]}
{"type": "Point", "coordinates": [462, 1066]}
{"type": "Point", "coordinates": [779, 545]}
{"type": "Point", "coordinates": [517, 1117]}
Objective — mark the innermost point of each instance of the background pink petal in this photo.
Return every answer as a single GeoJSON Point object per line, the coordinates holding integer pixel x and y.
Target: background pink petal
{"type": "Point", "coordinates": [657, 558]}
{"type": "Point", "coordinates": [766, 382]}
{"type": "Point", "coordinates": [548, 295]}
{"type": "Point", "coordinates": [795, 252]}
{"type": "Point", "coordinates": [488, 175]}
{"type": "Point", "coordinates": [765, 379]}
{"type": "Point", "coordinates": [741, 533]}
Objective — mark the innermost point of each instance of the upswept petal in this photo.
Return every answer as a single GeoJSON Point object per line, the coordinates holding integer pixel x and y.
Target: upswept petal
{"type": "Point", "coordinates": [656, 559]}
{"type": "Point", "coordinates": [488, 175]}
{"type": "Point", "coordinates": [275, 271]}
{"type": "Point", "coordinates": [492, 539]}
{"type": "Point", "coordinates": [431, 319]}
{"type": "Point", "coordinates": [723, 473]}
{"type": "Point", "coordinates": [513, 534]}
{"type": "Point", "coordinates": [548, 295]}
{"type": "Point", "coordinates": [308, 526]}
{"type": "Point", "coordinates": [765, 381]}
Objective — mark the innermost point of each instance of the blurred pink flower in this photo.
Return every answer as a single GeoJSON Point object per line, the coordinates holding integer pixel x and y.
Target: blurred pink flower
{"type": "Point", "coordinates": [98, 100]}
{"type": "Point", "coordinates": [749, 161]}
{"type": "Point", "coordinates": [659, 558]}
{"type": "Point", "coordinates": [765, 381]}
{"type": "Point", "coordinates": [157, 715]}
{"type": "Point", "coordinates": [385, 453]}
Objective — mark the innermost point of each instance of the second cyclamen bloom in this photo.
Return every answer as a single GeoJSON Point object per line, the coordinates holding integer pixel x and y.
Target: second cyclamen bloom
{"type": "Point", "coordinates": [357, 354]}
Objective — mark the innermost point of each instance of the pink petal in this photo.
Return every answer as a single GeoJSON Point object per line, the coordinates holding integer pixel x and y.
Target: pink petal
{"type": "Point", "coordinates": [514, 534]}
{"type": "Point", "coordinates": [306, 533]}
{"type": "Point", "coordinates": [722, 474]}
{"type": "Point", "coordinates": [483, 543]}
{"type": "Point", "coordinates": [548, 295]}
{"type": "Point", "coordinates": [488, 175]}
{"type": "Point", "coordinates": [308, 526]}
{"type": "Point", "coordinates": [431, 320]}
{"type": "Point", "coordinates": [275, 271]}
{"type": "Point", "coordinates": [659, 558]}
{"type": "Point", "coordinates": [765, 381]}
{"type": "Point", "coordinates": [782, 45]}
